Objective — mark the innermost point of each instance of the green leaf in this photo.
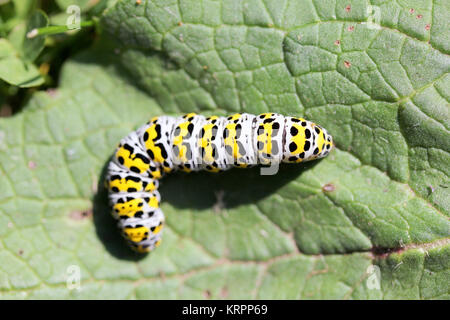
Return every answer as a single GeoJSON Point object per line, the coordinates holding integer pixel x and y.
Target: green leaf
{"type": "Point", "coordinates": [32, 47]}
{"type": "Point", "coordinates": [18, 52]}
{"type": "Point", "coordinates": [16, 71]}
{"type": "Point", "coordinates": [370, 221]}
{"type": "Point", "coordinates": [15, 12]}
{"type": "Point", "coordinates": [29, 49]}
{"type": "Point", "coordinates": [23, 7]}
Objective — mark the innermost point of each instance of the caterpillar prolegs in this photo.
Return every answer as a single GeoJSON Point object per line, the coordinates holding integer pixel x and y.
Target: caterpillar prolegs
{"type": "Point", "coordinates": [192, 143]}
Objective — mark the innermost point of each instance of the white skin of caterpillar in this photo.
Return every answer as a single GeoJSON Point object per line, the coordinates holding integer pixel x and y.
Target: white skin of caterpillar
{"type": "Point", "coordinates": [192, 143]}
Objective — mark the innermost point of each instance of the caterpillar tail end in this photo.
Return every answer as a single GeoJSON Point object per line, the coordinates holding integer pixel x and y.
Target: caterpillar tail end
{"type": "Point", "coordinates": [146, 247]}
{"type": "Point", "coordinates": [143, 236]}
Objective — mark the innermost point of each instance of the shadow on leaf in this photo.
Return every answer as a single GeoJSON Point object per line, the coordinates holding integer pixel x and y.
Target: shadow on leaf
{"type": "Point", "coordinates": [235, 187]}
{"type": "Point", "coordinates": [106, 226]}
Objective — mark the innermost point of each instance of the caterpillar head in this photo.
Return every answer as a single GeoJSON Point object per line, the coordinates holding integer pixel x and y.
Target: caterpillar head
{"type": "Point", "coordinates": [327, 144]}
{"type": "Point", "coordinates": [305, 140]}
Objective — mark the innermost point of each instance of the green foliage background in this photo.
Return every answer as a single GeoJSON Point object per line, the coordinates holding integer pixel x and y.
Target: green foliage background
{"type": "Point", "coordinates": [379, 202]}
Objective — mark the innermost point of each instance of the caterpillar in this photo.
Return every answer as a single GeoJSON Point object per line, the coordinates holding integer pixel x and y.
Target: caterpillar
{"type": "Point", "coordinates": [191, 143]}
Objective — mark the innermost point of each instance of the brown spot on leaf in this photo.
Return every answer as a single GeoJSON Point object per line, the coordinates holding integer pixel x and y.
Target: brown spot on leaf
{"type": "Point", "coordinates": [5, 111]}
{"type": "Point", "coordinates": [347, 64]}
{"type": "Point", "coordinates": [20, 252]}
{"type": "Point", "coordinates": [419, 16]}
{"type": "Point", "coordinates": [224, 292]}
{"type": "Point", "coordinates": [207, 294]}
{"type": "Point", "coordinates": [162, 275]}
{"type": "Point", "coordinates": [381, 252]}
{"type": "Point", "coordinates": [329, 187]}
{"type": "Point", "coordinates": [80, 214]}
{"type": "Point", "coordinates": [52, 92]}
{"type": "Point", "coordinates": [350, 28]}
{"type": "Point", "coordinates": [411, 10]}
{"type": "Point", "coordinates": [337, 42]}
{"type": "Point", "coordinates": [138, 2]}
{"type": "Point", "coordinates": [348, 8]}
{"type": "Point", "coordinates": [428, 27]}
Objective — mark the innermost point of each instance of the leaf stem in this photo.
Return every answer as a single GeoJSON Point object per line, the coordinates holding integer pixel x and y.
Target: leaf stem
{"type": "Point", "coordinates": [57, 29]}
